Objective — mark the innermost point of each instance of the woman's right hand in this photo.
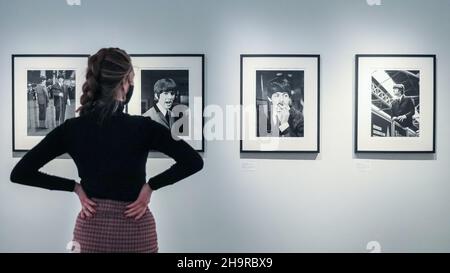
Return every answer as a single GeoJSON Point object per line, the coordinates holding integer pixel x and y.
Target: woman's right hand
{"type": "Point", "coordinates": [87, 205]}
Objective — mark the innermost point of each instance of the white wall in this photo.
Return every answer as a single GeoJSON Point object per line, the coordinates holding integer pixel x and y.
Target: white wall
{"type": "Point", "coordinates": [336, 202]}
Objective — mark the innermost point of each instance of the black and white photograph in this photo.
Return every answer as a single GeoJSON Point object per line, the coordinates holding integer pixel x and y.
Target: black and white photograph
{"type": "Point", "coordinates": [395, 103]}
{"type": "Point", "coordinates": [169, 89]}
{"type": "Point", "coordinates": [280, 103]}
{"type": "Point", "coordinates": [50, 99]}
{"type": "Point", "coordinates": [45, 93]}
{"type": "Point", "coordinates": [162, 91]}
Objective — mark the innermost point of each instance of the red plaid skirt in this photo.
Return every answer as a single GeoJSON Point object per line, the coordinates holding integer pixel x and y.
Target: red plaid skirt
{"type": "Point", "coordinates": [108, 230]}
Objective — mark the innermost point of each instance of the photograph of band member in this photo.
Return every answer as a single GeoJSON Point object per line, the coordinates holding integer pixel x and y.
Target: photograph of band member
{"type": "Point", "coordinates": [51, 99]}
{"type": "Point", "coordinates": [279, 103]}
{"type": "Point", "coordinates": [60, 93]}
{"type": "Point", "coordinates": [162, 90]}
{"type": "Point", "coordinates": [42, 99]}
{"type": "Point", "coordinates": [395, 103]}
{"type": "Point", "coordinates": [402, 107]}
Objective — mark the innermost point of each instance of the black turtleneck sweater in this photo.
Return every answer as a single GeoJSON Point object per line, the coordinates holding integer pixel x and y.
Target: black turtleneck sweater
{"type": "Point", "coordinates": [110, 158]}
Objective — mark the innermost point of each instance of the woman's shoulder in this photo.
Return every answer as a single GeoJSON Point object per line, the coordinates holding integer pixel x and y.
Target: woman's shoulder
{"type": "Point", "coordinates": [143, 120]}
{"type": "Point", "coordinates": [76, 123]}
{"type": "Point", "coordinates": [124, 116]}
{"type": "Point", "coordinates": [75, 120]}
{"type": "Point", "coordinates": [127, 120]}
{"type": "Point", "coordinates": [81, 121]}
{"type": "Point", "coordinates": [146, 123]}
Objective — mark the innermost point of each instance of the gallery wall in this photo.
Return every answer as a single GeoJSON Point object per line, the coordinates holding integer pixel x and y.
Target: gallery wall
{"type": "Point", "coordinates": [332, 201]}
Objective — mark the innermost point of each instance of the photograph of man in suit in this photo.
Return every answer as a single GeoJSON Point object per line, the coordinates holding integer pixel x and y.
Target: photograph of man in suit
{"type": "Point", "coordinates": [42, 99]}
{"type": "Point", "coordinates": [60, 99]}
{"type": "Point", "coordinates": [164, 96]}
{"type": "Point", "coordinates": [402, 107]}
{"type": "Point", "coordinates": [285, 115]}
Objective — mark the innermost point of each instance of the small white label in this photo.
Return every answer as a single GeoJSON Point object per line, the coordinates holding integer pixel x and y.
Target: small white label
{"type": "Point", "coordinates": [248, 166]}
{"type": "Point", "coordinates": [73, 2]}
{"type": "Point", "coordinates": [363, 166]}
{"type": "Point", "coordinates": [373, 2]}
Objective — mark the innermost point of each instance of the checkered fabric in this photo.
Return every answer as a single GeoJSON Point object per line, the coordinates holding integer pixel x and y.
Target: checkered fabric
{"type": "Point", "coordinates": [110, 231]}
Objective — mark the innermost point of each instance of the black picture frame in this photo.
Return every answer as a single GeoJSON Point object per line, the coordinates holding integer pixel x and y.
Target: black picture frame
{"type": "Point", "coordinates": [316, 150]}
{"type": "Point", "coordinates": [180, 55]}
{"type": "Point", "coordinates": [357, 149]}
{"type": "Point", "coordinates": [14, 110]}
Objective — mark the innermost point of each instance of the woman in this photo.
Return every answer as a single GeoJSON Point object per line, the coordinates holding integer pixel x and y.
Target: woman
{"type": "Point", "coordinates": [110, 150]}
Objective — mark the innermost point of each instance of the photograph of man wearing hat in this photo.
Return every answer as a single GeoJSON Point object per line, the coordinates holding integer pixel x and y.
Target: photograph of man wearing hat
{"type": "Point", "coordinates": [286, 112]}
{"type": "Point", "coordinates": [42, 99]}
{"type": "Point", "coordinates": [402, 107]}
{"type": "Point", "coordinates": [60, 99]}
{"type": "Point", "coordinates": [164, 96]}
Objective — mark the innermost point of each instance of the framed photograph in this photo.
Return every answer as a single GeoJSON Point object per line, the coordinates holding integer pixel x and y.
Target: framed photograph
{"type": "Point", "coordinates": [45, 92]}
{"type": "Point", "coordinates": [169, 89]}
{"type": "Point", "coordinates": [395, 103]}
{"type": "Point", "coordinates": [280, 103]}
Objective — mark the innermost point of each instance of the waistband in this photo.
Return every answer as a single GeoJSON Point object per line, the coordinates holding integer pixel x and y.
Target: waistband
{"type": "Point", "coordinates": [110, 205]}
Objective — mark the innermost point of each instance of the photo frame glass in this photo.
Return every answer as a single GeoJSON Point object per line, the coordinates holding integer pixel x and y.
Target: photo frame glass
{"type": "Point", "coordinates": [395, 105]}
{"type": "Point", "coordinates": [280, 103]}
{"type": "Point", "coordinates": [169, 89]}
{"type": "Point", "coordinates": [46, 92]}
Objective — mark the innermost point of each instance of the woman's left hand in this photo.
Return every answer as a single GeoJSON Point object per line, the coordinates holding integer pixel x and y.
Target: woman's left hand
{"type": "Point", "coordinates": [138, 208]}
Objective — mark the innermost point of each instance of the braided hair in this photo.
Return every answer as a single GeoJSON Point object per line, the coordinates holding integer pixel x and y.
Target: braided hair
{"type": "Point", "coordinates": [106, 71]}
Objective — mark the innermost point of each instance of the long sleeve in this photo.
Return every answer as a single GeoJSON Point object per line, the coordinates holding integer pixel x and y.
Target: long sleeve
{"type": "Point", "coordinates": [187, 160]}
{"type": "Point", "coordinates": [27, 172]}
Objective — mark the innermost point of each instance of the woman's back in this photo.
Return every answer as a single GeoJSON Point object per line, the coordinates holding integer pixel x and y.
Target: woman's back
{"type": "Point", "coordinates": [119, 148]}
